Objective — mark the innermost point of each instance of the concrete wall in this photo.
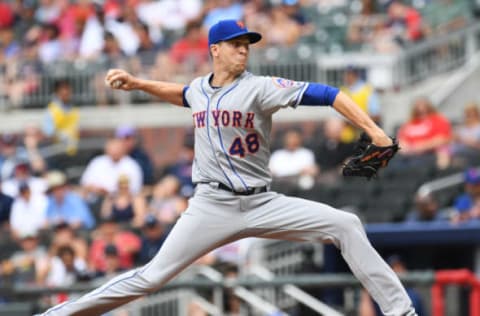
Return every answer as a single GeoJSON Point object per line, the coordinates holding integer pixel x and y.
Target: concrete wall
{"type": "Point", "coordinates": [467, 91]}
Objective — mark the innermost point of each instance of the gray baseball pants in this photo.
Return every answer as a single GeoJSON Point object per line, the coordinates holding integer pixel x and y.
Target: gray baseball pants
{"type": "Point", "coordinates": [216, 217]}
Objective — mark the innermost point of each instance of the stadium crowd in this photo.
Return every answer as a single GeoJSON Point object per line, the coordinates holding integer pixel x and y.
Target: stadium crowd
{"type": "Point", "coordinates": [166, 39]}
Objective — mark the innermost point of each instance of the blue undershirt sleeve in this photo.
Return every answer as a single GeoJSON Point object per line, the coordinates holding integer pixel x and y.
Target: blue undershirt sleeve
{"type": "Point", "coordinates": [185, 102]}
{"type": "Point", "coordinates": [319, 94]}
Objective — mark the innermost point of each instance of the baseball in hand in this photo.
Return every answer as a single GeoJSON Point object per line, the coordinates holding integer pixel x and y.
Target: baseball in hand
{"type": "Point", "coordinates": [116, 84]}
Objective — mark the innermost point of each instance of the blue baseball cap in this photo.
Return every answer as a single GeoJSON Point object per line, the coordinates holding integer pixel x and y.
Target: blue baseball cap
{"type": "Point", "coordinates": [125, 131]}
{"type": "Point", "coordinates": [227, 29]}
{"type": "Point", "coordinates": [472, 176]}
{"type": "Point", "coordinates": [150, 221]}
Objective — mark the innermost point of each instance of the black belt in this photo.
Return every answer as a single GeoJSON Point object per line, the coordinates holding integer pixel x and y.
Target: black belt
{"type": "Point", "coordinates": [249, 191]}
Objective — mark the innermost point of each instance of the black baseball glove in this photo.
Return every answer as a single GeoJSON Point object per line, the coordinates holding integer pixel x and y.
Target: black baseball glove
{"type": "Point", "coordinates": [368, 158]}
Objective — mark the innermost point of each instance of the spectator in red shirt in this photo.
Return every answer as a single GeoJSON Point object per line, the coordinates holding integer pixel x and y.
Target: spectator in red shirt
{"type": "Point", "coordinates": [427, 132]}
{"type": "Point", "coordinates": [190, 53]}
{"type": "Point", "coordinates": [6, 15]}
{"type": "Point", "coordinates": [407, 21]}
{"type": "Point", "coordinates": [127, 243]}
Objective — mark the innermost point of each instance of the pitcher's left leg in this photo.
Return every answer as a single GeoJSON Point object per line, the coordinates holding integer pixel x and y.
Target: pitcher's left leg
{"type": "Point", "coordinates": [297, 219]}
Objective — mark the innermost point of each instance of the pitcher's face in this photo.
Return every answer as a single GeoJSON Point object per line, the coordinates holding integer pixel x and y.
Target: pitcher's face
{"type": "Point", "coordinates": [232, 54]}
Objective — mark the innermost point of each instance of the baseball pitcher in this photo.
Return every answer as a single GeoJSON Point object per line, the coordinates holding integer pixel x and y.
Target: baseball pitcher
{"type": "Point", "coordinates": [232, 114]}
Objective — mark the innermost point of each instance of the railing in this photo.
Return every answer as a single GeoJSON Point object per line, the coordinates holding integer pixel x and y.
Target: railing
{"type": "Point", "coordinates": [435, 56]}
{"type": "Point", "coordinates": [175, 297]}
{"type": "Point", "coordinates": [284, 258]}
{"type": "Point", "coordinates": [392, 71]}
{"type": "Point", "coordinates": [442, 183]}
{"type": "Point", "coordinates": [458, 277]}
{"type": "Point", "coordinates": [296, 293]}
{"type": "Point", "coordinates": [35, 89]}
{"type": "Point", "coordinates": [323, 280]}
{"type": "Point", "coordinates": [169, 303]}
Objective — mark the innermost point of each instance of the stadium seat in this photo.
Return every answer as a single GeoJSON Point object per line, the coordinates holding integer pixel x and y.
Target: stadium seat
{"type": "Point", "coordinates": [320, 193]}
{"type": "Point", "coordinates": [414, 173]}
{"type": "Point", "coordinates": [359, 186]}
{"type": "Point", "coordinates": [387, 207]}
{"type": "Point", "coordinates": [449, 171]}
{"type": "Point", "coordinates": [16, 309]}
{"type": "Point", "coordinates": [399, 186]}
{"type": "Point", "coordinates": [8, 246]}
{"type": "Point", "coordinates": [356, 200]}
{"type": "Point", "coordinates": [376, 216]}
{"type": "Point", "coordinates": [286, 186]}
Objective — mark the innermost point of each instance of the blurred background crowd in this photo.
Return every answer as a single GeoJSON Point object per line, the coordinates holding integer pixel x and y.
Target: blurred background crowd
{"type": "Point", "coordinates": [77, 205]}
{"type": "Point", "coordinates": [43, 40]}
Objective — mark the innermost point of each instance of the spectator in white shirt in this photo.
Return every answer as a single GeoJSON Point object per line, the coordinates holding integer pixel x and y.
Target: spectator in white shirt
{"type": "Point", "coordinates": [170, 15]}
{"type": "Point", "coordinates": [22, 174]}
{"type": "Point", "coordinates": [293, 159]}
{"type": "Point", "coordinates": [29, 212]}
{"type": "Point", "coordinates": [62, 269]}
{"type": "Point", "coordinates": [122, 28]}
{"type": "Point", "coordinates": [102, 173]}
{"type": "Point", "coordinates": [50, 50]}
{"type": "Point", "coordinates": [91, 41]}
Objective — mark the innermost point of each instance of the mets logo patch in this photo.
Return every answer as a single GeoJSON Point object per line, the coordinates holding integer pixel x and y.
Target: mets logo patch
{"type": "Point", "coordinates": [284, 83]}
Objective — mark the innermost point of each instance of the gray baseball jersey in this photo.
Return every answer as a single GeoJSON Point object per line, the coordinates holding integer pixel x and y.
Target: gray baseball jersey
{"type": "Point", "coordinates": [232, 126]}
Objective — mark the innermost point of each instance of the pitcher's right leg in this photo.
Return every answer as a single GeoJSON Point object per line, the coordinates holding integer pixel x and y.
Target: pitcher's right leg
{"type": "Point", "coordinates": [298, 219]}
{"type": "Point", "coordinates": [201, 228]}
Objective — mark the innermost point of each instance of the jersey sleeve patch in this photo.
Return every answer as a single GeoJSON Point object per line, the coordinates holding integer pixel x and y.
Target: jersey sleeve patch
{"type": "Point", "coordinates": [284, 83]}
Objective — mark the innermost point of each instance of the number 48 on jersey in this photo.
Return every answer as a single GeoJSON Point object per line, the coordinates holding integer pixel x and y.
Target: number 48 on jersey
{"type": "Point", "coordinates": [239, 146]}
